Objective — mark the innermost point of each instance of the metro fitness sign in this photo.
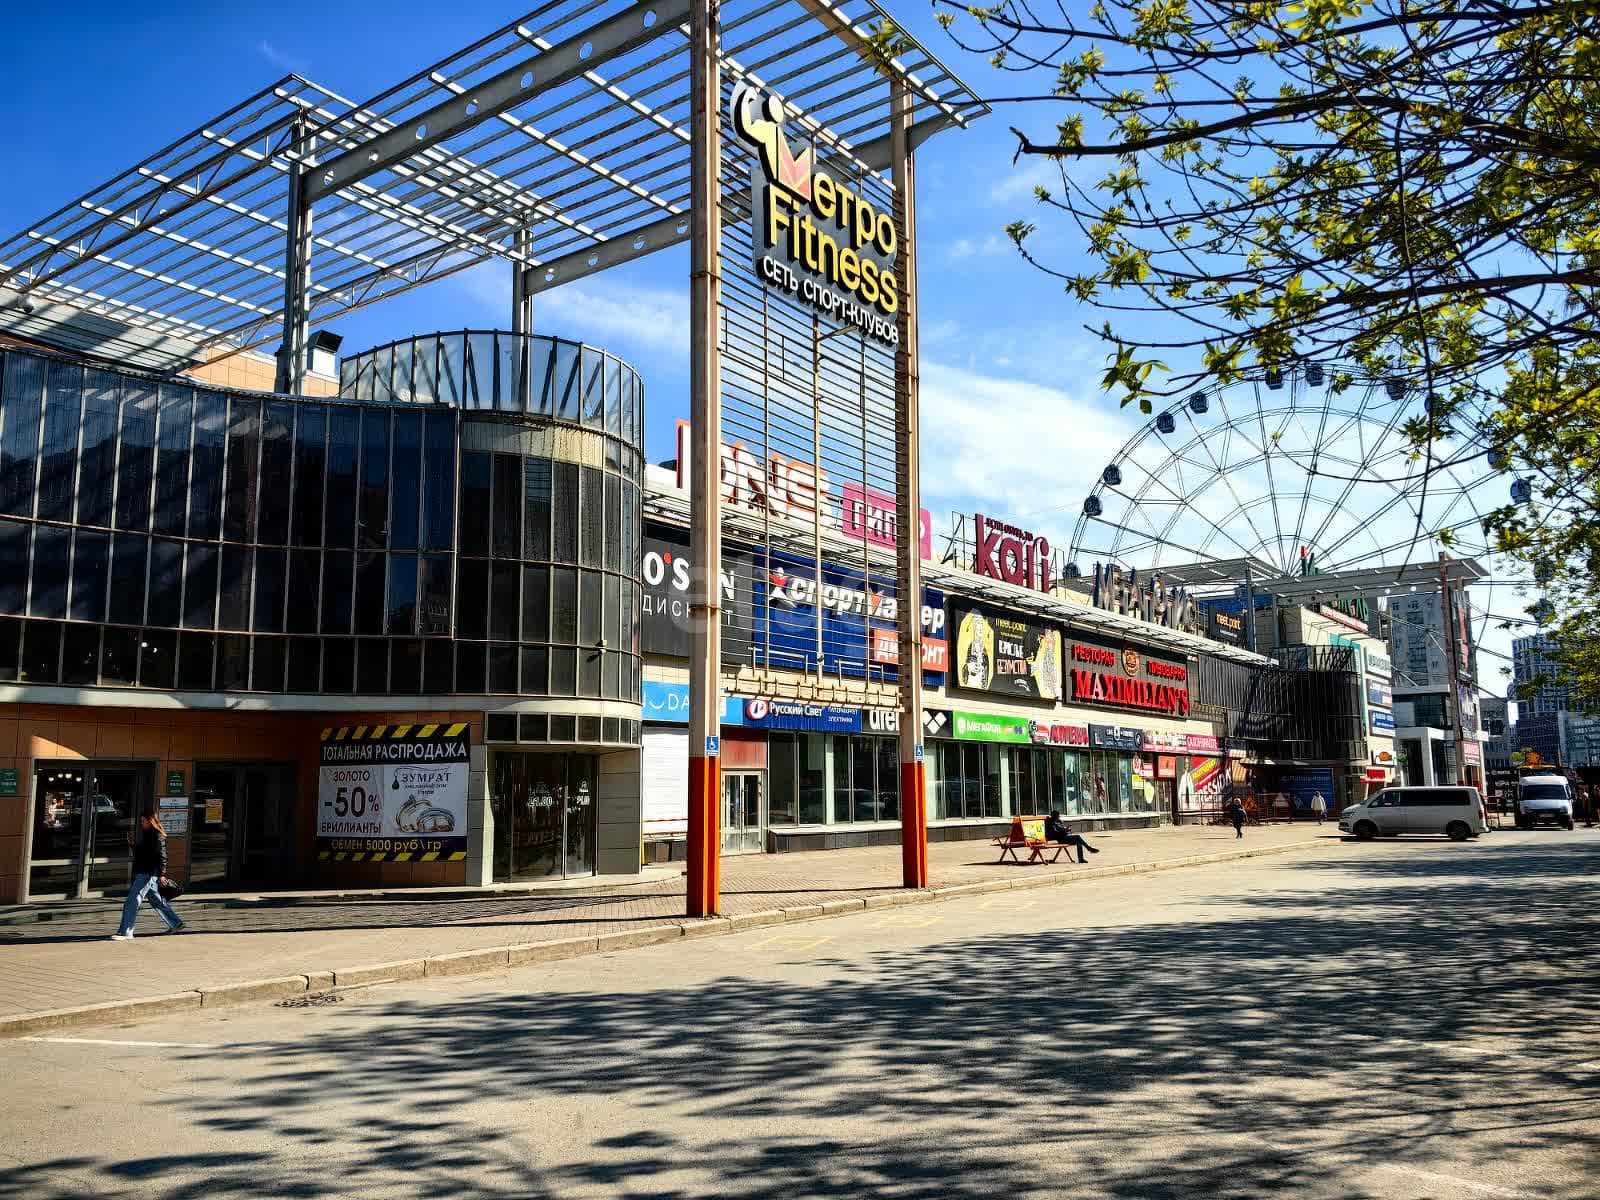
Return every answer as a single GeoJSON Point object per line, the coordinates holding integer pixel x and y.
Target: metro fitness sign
{"type": "Point", "coordinates": [814, 237]}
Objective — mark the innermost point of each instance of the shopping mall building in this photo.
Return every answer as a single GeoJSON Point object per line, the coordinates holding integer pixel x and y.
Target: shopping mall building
{"type": "Point", "coordinates": [416, 634]}
{"type": "Point", "coordinates": [421, 616]}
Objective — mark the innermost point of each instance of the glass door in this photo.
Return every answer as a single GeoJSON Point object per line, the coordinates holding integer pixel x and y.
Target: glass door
{"type": "Point", "coordinates": [212, 816]}
{"type": "Point", "coordinates": [741, 812]}
{"type": "Point", "coordinates": [265, 845]}
{"type": "Point", "coordinates": [544, 815]}
{"type": "Point", "coordinates": [580, 815]}
{"type": "Point", "coordinates": [84, 818]}
{"type": "Point", "coordinates": [58, 793]}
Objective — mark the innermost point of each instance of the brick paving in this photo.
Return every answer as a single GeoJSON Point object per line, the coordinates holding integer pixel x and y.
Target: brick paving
{"type": "Point", "coordinates": [69, 962]}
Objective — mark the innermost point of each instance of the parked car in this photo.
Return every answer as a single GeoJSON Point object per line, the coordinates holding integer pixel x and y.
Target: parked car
{"type": "Point", "coordinates": [1456, 812]}
{"type": "Point", "coordinates": [1544, 800]}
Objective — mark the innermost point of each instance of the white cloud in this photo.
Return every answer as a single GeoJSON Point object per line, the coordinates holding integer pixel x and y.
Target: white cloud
{"type": "Point", "coordinates": [604, 312]}
{"type": "Point", "coordinates": [1018, 182]}
{"type": "Point", "coordinates": [619, 313]}
{"type": "Point", "coordinates": [989, 247]}
{"type": "Point", "coordinates": [284, 62]}
{"type": "Point", "coordinates": [1011, 447]}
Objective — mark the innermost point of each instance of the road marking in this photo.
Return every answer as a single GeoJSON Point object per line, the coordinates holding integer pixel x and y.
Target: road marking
{"type": "Point", "coordinates": [904, 921]}
{"type": "Point", "coordinates": [115, 1042]}
{"type": "Point", "coordinates": [791, 942]}
{"type": "Point", "coordinates": [1010, 903]}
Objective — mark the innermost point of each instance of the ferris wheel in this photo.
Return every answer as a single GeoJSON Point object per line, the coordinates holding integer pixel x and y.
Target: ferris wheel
{"type": "Point", "coordinates": [1289, 475]}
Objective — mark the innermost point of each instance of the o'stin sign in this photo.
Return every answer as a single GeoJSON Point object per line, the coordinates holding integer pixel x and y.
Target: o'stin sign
{"type": "Point", "coordinates": [814, 236]}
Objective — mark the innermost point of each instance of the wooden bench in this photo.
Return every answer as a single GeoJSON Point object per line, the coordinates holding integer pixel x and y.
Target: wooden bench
{"type": "Point", "coordinates": [1028, 833]}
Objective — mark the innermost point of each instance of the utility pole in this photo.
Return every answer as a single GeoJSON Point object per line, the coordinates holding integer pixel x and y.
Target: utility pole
{"type": "Point", "coordinates": [1452, 695]}
{"type": "Point", "coordinates": [705, 420]}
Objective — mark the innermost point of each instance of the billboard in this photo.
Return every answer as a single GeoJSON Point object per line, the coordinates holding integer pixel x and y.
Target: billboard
{"type": "Point", "coordinates": [394, 792]}
{"type": "Point", "coordinates": [1106, 674]}
{"type": "Point", "coordinates": [664, 579]}
{"type": "Point", "coordinates": [1380, 720]}
{"type": "Point", "coordinates": [1006, 655]}
{"type": "Point", "coordinates": [1302, 786]}
{"type": "Point", "coordinates": [858, 623]}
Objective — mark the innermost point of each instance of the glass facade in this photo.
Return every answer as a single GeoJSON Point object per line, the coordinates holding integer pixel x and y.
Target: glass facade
{"type": "Point", "coordinates": [163, 535]}
{"type": "Point", "coordinates": [980, 780]}
{"type": "Point", "coordinates": [810, 775]}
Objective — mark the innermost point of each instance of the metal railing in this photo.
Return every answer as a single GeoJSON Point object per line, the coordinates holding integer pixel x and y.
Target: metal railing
{"type": "Point", "coordinates": [495, 371]}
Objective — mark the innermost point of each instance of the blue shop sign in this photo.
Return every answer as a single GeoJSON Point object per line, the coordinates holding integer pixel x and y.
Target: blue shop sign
{"type": "Point", "coordinates": [669, 702]}
{"type": "Point", "coordinates": [786, 594]}
{"type": "Point", "coordinates": [797, 715]}
{"type": "Point", "coordinates": [1382, 720]}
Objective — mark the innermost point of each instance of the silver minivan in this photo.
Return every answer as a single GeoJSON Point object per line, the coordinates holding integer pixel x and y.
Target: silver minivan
{"type": "Point", "coordinates": [1456, 812]}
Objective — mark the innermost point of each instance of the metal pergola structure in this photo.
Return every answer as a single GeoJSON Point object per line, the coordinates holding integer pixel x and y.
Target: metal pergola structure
{"type": "Point", "coordinates": [587, 134]}
{"type": "Point", "coordinates": [559, 143]}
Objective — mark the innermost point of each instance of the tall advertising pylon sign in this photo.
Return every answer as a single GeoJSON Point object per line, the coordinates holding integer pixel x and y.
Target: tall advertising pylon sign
{"type": "Point", "coordinates": [705, 417]}
{"type": "Point", "coordinates": [913, 775]}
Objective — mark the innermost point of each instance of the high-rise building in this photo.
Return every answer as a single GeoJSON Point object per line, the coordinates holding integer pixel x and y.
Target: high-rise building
{"type": "Point", "coordinates": [1417, 640]}
{"type": "Point", "coordinates": [1534, 666]}
{"type": "Point", "coordinates": [1497, 745]}
{"type": "Point", "coordinates": [1580, 739]}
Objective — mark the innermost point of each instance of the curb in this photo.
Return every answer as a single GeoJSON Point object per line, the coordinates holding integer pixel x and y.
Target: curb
{"type": "Point", "coordinates": [34, 914]}
{"type": "Point", "coordinates": [499, 958]}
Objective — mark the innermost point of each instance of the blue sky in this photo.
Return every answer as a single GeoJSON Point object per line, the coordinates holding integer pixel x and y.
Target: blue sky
{"type": "Point", "coordinates": [1009, 371]}
{"type": "Point", "coordinates": [1014, 421]}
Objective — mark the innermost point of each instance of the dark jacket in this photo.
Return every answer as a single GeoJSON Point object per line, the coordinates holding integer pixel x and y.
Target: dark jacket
{"type": "Point", "coordinates": [1056, 831]}
{"type": "Point", "coordinates": [150, 852]}
{"type": "Point", "coordinates": [1236, 813]}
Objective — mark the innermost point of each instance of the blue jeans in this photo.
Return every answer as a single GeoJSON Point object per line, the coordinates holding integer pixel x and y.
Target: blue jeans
{"type": "Point", "coordinates": [143, 886]}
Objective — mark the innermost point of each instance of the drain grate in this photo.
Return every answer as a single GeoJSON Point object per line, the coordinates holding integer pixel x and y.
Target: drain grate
{"type": "Point", "coordinates": [312, 1000]}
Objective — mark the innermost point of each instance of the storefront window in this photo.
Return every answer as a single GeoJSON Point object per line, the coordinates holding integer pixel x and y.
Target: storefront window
{"type": "Point", "coordinates": [813, 767]}
{"type": "Point", "coordinates": [781, 778]}
{"type": "Point", "coordinates": [1125, 784]}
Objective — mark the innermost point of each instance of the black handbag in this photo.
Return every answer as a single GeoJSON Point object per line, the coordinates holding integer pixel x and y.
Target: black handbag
{"type": "Point", "coordinates": [170, 889]}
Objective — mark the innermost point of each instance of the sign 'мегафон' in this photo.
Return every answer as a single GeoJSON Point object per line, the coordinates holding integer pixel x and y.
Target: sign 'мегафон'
{"type": "Point", "coordinates": [814, 236]}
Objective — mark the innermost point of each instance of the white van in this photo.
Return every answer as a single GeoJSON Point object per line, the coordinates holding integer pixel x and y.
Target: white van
{"type": "Point", "coordinates": [1544, 799]}
{"type": "Point", "coordinates": [1456, 812]}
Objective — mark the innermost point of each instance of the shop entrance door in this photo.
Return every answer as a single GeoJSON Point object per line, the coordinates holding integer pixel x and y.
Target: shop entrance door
{"type": "Point", "coordinates": [1167, 799]}
{"type": "Point", "coordinates": [741, 812]}
{"type": "Point", "coordinates": [241, 826]}
{"type": "Point", "coordinates": [544, 814]}
{"type": "Point", "coordinates": [84, 815]}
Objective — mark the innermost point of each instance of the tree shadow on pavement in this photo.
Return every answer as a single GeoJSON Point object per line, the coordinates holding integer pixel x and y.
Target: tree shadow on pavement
{"type": "Point", "coordinates": [1288, 1043]}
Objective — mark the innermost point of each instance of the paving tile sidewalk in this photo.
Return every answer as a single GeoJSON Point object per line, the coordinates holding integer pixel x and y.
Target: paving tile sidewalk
{"type": "Point", "coordinates": [70, 962]}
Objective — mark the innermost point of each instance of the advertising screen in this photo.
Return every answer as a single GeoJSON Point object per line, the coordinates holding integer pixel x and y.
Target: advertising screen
{"type": "Point", "coordinates": [1005, 655]}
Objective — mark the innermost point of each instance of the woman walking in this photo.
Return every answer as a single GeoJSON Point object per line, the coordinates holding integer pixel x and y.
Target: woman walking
{"type": "Point", "coordinates": [149, 868]}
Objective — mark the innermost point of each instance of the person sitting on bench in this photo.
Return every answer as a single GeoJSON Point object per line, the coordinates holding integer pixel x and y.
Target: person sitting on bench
{"type": "Point", "coordinates": [1056, 830]}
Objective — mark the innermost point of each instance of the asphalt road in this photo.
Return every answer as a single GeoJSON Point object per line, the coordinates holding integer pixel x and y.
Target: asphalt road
{"type": "Point", "coordinates": [1403, 1020]}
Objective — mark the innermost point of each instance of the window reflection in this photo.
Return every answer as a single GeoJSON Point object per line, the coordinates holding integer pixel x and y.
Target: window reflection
{"type": "Point", "coordinates": [241, 492]}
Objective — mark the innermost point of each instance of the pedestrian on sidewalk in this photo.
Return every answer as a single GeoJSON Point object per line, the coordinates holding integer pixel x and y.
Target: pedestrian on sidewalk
{"type": "Point", "coordinates": [1057, 830]}
{"type": "Point", "coordinates": [1235, 812]}
{"type": "Point", "coordinates": [1319, 807]}
{"type": "Point", "coordinates": [149, 869]}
